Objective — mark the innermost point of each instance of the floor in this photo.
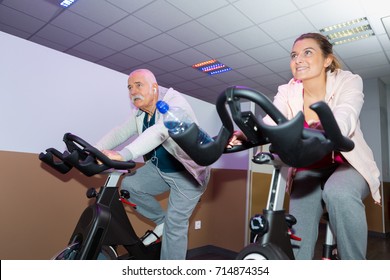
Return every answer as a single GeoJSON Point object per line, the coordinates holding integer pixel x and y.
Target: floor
{"type": "Point", "coordinates": [378, 248]}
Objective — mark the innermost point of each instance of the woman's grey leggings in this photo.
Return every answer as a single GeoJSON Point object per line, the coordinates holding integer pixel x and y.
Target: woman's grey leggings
{"type": "Point", "coordinates": [341, 189]}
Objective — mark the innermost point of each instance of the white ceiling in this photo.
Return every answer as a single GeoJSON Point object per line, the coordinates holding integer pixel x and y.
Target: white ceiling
{"type": "Point", "coordinates": [254, 37]}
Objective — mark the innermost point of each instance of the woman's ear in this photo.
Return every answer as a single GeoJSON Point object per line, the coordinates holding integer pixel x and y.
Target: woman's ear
{"type": "Point", "coordinates": [328, 61]}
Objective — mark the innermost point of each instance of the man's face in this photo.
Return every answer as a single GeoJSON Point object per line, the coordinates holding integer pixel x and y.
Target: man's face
{"type": "Point", "coordinates": [141, 91]}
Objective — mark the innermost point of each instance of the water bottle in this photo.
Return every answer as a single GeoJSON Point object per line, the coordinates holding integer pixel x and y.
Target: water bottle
{"type": "Point", "coordinates": [178, 121]}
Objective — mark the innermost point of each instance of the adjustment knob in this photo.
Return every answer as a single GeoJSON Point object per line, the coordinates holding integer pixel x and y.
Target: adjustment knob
{"type": "Point", "coordinates": [125, 194]}
{"type": "Point", "coordinates": [258, 224]}
{"type": "Point", "coordinates": [91, 192]}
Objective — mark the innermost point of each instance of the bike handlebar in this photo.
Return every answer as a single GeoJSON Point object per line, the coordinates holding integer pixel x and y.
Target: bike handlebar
{"type": "Point", "coordinates": [296, 146]}
{"type": "Point", "coordinates": [83, 156]}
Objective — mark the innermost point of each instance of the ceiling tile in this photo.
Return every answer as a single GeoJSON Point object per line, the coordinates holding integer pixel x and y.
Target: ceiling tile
{"type": "Point", "coordinates": [207, 81]}
{"type": "Point", "coordinates": [341, 11]}
{"type": "Point", "coordinates": [167, 63]}
{"type": "Point", "coordinates": [94, 49]}
{"type": "Point", "coordinates": [59, 36]}
{"type": "Point", "coordinates": [254, 70]}
{"type": "Point", "coordinates": [366, 61]}
{"type": "Point", "coordinates": [376, 9]}
{"type": "Point", "coordinates": [130, 6]}
{"type": "Point", "coordinates": [14, 31]}
{"type": "Point", "coordinates": [143, 53]}
{"type": "Point", "coordinates": [278, 65]}
{"type": "Point", "coordinates": [291, 25]}
{"type": "Point", "coordinates": [82, 55]}
{"type": "Point", "coordinates": [217, 48]}
{"type": "Point", "coordinates": [221, 24]}
{"type": "Point", "coordinates": [262, 11]}
{"type": "Point", "coordinates": [358, 48]}
{"type": "Point", "coordinates": [43, 10]}
{"type": "Point", "coordinates": [247, 83]}
{"type": "Point", "coordinates": [123, 60]}
{"type": "Point", "coordinates": [249, 38]}
{"type": "Point", "coordinates": [306, 3]}
{"type": "Point", "coordinates": [190, 56]}
{"type": "Point", "coordinates": [162, 15]}
{"type": "Point", "coordinates": [76, 24]}
{"type": "Point", "coordinates": [143, 31]}
{"type": "Point", "coordinates": [165, 43]}
{"type": "Point", "coordinates": [186, 86]}
{"type": "Point", "coordinates": [110, 65]}
{"type": "Point", "coordinates": [112, 40]}
{"type": "Point", "coordinates": [99, 11]}
{"type": "Point", "coordinates": [230, 76]}
{"type": "Point", "coordinates": [267, 53]}
{"type": "Point", "coordinates": [237, 60]}
{"type": "Point", "coordinates": [270, 79]}
{"type": "Point", "coordinates": [375, 72]}
{"type": "Point", "coordinates": [286, 75]}
{"type": "Point", "coordinates": [198, 8]}
{"type": "Point", "coordinates": [287, 43]}
{"type": "Point", "coordinates": [19, 20]}
{"type": "Point", "coordinates": [156, 71]}
{"type": "Point", "coordinates": [189, 73]}
{"type": "Point", "coordinates": [169, 78]}
{"type": "Point", "coordinates": [192, 33]}
{"type": "Point", "coordinates": [47, 43]}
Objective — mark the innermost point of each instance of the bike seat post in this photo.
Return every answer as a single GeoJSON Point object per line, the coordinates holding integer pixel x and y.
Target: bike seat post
{"type": "Point", "coordinates": [278, 188]}
{"type": "Point", "coordinates": [113, 178]}
{"type": "Point", "coordinates": [329, 236]}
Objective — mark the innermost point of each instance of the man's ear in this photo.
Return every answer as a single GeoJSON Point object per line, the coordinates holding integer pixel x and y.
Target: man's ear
{"type": "Point", "coordinates": [155, 87]}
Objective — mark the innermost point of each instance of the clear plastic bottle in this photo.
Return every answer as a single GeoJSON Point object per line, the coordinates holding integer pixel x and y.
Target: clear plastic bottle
{"type": "Point", "coordinates": [178, 121]}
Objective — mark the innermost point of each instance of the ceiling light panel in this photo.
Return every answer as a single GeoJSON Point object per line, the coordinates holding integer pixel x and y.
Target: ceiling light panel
{"type": "Point", "coordinates": [67, 3]}
{"type": "Point", "coordinates": [349, 31]}
{"type": "Point", "coordinates": [211, 67]}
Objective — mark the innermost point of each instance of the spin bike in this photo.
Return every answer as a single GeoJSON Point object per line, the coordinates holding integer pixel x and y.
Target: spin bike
{"type": "Point", "coordinates": [290, 144]}
{"type": "Point", "coordinates": [104, 225]}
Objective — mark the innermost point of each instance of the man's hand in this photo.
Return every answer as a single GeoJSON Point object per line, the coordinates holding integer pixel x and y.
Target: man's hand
{"type": "Point", "coordinates": [237, 138]}
{"type": "Point", "coordinates": [111, 155]}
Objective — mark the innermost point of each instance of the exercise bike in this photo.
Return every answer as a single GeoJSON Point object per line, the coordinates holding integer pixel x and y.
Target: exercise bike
{"type": "Point", "coordinates": [290, 144]}
{"type": "Point", "coordinates": [104, 225]}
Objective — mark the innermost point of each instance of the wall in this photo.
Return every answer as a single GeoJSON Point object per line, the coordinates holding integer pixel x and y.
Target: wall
{"type": "Point", "coordinates": [45, 93]}
{"type": "Point", "coordinates": [40, 208]}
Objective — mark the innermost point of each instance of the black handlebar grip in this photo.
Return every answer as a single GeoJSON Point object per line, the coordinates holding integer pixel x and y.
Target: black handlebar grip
{"type": "Point", "coordinates": [333, 133]}
{"type": "Point", "coordinates": [58, 164]}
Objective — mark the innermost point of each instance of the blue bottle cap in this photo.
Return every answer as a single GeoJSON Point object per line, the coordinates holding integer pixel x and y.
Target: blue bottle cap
{"type": "Point", "coordinates": [162, 106]}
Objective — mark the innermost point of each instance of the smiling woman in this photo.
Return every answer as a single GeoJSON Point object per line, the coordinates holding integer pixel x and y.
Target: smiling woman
{"type": "Point", "coordinates": [340, 181]}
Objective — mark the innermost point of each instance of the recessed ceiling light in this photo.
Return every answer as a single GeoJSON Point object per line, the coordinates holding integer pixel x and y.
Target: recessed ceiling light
{"type": "Point", "coordinates": [349, 31]}
{"type": "Point", "coordinates": [67, 3]}
{"type": "Point", "coordinates": [211, 67]}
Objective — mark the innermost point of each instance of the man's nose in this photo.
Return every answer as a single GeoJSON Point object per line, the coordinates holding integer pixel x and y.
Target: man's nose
{"type": "Point", "coordinates": [133, 91]}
